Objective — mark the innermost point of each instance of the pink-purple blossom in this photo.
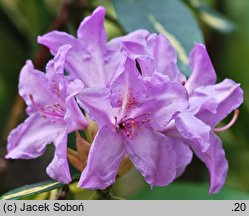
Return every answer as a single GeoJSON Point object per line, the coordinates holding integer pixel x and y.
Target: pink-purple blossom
{"type": "Point", "coordinates": [145, 108]}
{"type": "Point", "coordinates": [209, 103]}
{"type": "Point", "coordinates": [130, 116]}
{"type": "Point", "coordinates": [53, 113]}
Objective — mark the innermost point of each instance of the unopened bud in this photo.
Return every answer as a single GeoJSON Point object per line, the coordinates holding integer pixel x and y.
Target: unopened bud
{"type": "Point", "coordinates": [91, 130]}
{"type": "Point", "coordinates": [125, 166]}
{"type": "Point", "coordinates": [79, 158]}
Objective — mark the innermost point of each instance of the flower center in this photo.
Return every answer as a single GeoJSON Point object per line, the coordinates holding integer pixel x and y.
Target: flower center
{"type": "Point", "coordinates": [129, 125]}
{"type": "Point", "coordinates": [230, 124]}
{"type": "Point", "coordinates": [55, 112]}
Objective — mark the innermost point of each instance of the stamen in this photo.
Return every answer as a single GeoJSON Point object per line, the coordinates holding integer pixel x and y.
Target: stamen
{"type": "Point", "coordinates": [230, 124]}
{"type": "Point", "coordinates": [134, 119]}
{"type": "Point", "coordinates": [130, 125]}
{"type": "Point", "coordinates": [43, 111]}
{"type": "Point", "coordinates": [55, 108]}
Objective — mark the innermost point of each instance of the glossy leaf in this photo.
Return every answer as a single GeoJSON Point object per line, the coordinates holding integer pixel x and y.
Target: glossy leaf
{"type": "Point", "coordinates": [189, 191]}
{"type": "Point", "coordinates": [212, 17]}
{"type": "Point", "coordinates": [33, 189]}
{"type": "Point", "coordinates": [171, 18]}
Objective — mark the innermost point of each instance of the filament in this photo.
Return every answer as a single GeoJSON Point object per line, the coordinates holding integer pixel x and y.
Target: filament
{"type": "Point", "coordinates": [230, 124]}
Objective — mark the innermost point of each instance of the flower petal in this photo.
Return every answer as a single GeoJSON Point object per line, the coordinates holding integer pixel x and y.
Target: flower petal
{"type": "Point", "coordinates": [92, 34]}
{"type": "Point", "coordinates": [156, 79]}
{"type": "Point", "coordinates": [92, 27]}
{"type": "Point", "coordinates": [58, 169]}
{"type": "Point", "coordinates": [85, 60]}
{"type": "Point", "coordinates": [183, 156]}
{"type": "Point", "coordinates": [74, 117]}
{"type": "Point", "coordinates": [203, 72]}
{"type": "Point", "coordinates": [33, 82]}
{"type": "Point", "coordinates": [153, 155]}
{"type": "Point", "coordinates": [96, 102]}
{"type": "Point", "coordinates": [228, 96]}
{"type": "Point", "coordinates": [139, 36]}
{"type": "Point", "coordinates": [164, 101]}
{"type": "Point", "coordinates": [216, 162]}
{"type": "Point", "coordinates": [55, 72]}
{"type": "Point", "coordinates": [114, 55]}
{"type": "Point", "coordinates": [104, 158]}
{"type": "Point", "coordinates": [193, 129]}
{"type": "Point", "coordinates": [55, 39]}
{"type": "Point", "coordinates": [165, 57]}
{"type": "Point", "coordinates": [128, 89]}
{"type": "Point", "coordinates": [30, 138]}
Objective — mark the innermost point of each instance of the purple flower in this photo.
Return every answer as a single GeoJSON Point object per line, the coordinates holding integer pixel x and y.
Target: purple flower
{"type": "Point", "coordinates": [85, 60]}
{"type": "Point", "coordinates": [145, 107]}
{"type": "Point", "coordinates": [210, 103]}
{"type": "Point", "coordinates": [92, 59]}
{"type": "Point", "coordinates": [53, 113]}
{"type": "Point", "coordinates": [129, 116]}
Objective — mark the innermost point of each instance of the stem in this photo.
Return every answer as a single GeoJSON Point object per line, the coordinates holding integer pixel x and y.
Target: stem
{"type": "Point", "coordinates": [106, 195]}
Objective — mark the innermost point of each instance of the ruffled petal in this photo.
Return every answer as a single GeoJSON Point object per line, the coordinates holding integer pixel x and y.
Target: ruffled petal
{"type": "Point", "coordinates": [78, 60]}
{"type": "Point", "coordinates": [30, 138]}
{"type": "Point", "coordinates": [92, 28]}
{"type": "Point", "coordinates": [55, 72]}
{"type": "Point", "coordinates": [33, 82]}
{"type": "Point", "coordinates": [216, 162]}
{"type": "Point", "coordinates": [113, 51]}
{"type": "Point", "coordinates": [128, 90]}
{"type": "Point", "coordinates": [153, 155]}
{"type": "Point", "coordinates": [104, 158]}
{"type": "Point", "coordinates": [96, 102]}
{"type": "Point", "coordinates": [203, 72]}
{"type": "Point", "coordinates": [228, 96]}
{"type": "Point", "coordinates": [55, 39]}
{"type": "Point", "coordinates": [156, 79]}
{"type": "Point", "coordinates": [91, 33]}
{"type": "Point", "coordinates": [58, 169]}
{"type": "Point", "coordinates": [193, 129]}
{"type": "Point", "coordinates": [74, 117]}
{"type": "Point", "coordinates": [139, 36]}
{"type": "Point", "coordinates": [183, 156]}
{"type": "Point", "coordinates": [163, 102]}
{"type": "Point", "coordinates": [165, 57]}
{"type": "Point", "coordinates": [138, 52]}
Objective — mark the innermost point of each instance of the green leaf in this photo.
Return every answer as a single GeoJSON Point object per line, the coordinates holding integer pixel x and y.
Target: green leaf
{"type": "Point", "coordinates": [33, 189]}
{"type": "Point", "coordinates": [212, 17]}
{"type": "Point", "coordinates": [189, 191]}
{"type": "Point", "coordinates": [171, 18]}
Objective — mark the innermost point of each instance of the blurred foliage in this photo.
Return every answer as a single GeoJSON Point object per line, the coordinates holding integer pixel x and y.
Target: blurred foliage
{"type": "Point", "coordinates": [225, 28]}
{"type": "Point", "coordinates": [211, 17]}
{"type": "Point", "coordinates": [187, 191]}
{"type": "Point", "coordinates": [162, 17]}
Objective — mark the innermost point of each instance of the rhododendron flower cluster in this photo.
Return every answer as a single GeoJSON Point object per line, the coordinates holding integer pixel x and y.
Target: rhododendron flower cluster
{"type": "Point", "coordinates": [145, 108]}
